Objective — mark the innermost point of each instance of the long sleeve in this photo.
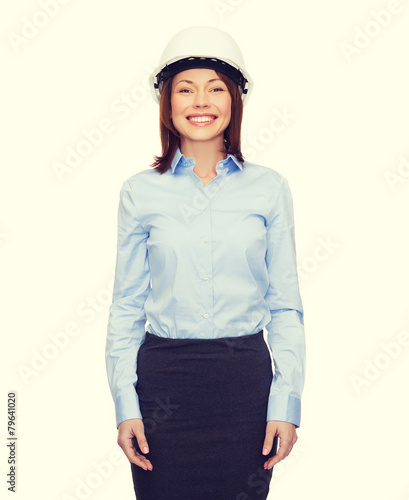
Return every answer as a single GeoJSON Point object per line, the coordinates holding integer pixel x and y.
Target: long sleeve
{"type": "Point", "coordinates": [285, 331]}
{"type": "Point", "coordinates": [126, 324]}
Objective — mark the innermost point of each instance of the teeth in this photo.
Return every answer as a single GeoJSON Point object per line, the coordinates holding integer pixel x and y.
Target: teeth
{"type": "Point", "coordinates": [201, 118]}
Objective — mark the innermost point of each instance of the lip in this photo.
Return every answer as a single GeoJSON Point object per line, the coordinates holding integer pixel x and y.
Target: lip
{"type": "Point", "coordinates": [201, 124]}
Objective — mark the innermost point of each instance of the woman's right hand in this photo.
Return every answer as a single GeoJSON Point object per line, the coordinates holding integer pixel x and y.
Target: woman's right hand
{"type": "Point", "coordinates": [126, 431]}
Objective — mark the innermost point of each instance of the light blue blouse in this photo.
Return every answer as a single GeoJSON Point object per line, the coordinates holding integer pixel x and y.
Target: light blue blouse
{"type": "Point", "coordinates": [207, 262]}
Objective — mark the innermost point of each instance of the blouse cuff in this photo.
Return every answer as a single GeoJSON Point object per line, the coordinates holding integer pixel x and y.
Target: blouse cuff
{"type": "Point", "coordinates": [127, 407]}
{"type": "Point", "coordinates": [284, 408]}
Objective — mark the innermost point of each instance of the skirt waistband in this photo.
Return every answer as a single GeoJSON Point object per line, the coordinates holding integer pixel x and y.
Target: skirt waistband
{"type": "Point", "coordinates": [247, 345]}
{"type": "Point", "coordinates": [151, 338]}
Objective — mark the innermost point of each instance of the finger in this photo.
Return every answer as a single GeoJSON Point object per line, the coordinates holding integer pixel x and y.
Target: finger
{"type": "Point", "coordinates": [283, 452]}
{"type": "Point", "coordinates": [268, 440]}
{"type": "Point", "coordinates": [275, 460]}
{"type": "Point", "coordinates": [142, 443]}
{"type": "Point", "coordinates": [141, 461]}
{"type": "Point", "coordinates": [132, 455]}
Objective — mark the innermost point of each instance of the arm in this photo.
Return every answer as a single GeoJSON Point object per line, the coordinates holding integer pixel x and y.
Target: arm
{"type": "Point", "coordinates": [285, 331]}
{"type": "Point", "coordinates": [126, 324]}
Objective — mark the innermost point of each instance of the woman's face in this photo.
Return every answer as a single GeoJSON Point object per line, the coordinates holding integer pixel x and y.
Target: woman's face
{"type": "Point", "coordinates": [200, 105]}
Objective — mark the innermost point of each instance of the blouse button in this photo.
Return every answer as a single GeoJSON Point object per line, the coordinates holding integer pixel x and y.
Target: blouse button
{"type": "Point", "coordinates": [205, 240]}
{"type": "Point", "coordinates": [206, 315]}
{"type": "Point", "coordinates": [205, 277]}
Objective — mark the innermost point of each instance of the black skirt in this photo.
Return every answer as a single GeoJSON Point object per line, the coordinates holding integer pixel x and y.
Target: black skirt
{"type": "Point", "coordinates": [204, 408]}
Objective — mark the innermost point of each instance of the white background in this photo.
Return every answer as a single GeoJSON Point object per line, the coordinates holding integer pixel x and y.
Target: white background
{"type": "Point", "coordinates": [345, 152]}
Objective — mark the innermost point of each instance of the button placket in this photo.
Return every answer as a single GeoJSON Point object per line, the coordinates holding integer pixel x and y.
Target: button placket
{"type": "Point", "coordinates": [206, 273]}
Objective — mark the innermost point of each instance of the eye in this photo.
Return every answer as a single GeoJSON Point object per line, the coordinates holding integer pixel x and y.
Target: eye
{"type": "Point", "coordinates": [218, 88]}
{"type": "Point", "coordinates": [183, 91]}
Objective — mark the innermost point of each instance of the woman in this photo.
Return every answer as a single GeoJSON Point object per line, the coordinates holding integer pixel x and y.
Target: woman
{"type": "Point", "coordinates": [206, 254]}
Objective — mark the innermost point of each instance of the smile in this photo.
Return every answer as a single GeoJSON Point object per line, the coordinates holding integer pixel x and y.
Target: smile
{"type": "Point", "coordinates": [202, 119]}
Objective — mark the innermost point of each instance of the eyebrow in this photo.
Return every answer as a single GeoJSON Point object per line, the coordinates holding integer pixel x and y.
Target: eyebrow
{"type": "Point", "coordinates": [209, 81]}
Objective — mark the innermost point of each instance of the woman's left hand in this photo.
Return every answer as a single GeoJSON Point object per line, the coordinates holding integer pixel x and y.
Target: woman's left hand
{"type": "Point", "coordinates": [288, 437]}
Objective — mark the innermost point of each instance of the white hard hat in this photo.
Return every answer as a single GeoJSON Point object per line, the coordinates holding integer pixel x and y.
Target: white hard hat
{"type": "Point", "coordinates": [202, 47]}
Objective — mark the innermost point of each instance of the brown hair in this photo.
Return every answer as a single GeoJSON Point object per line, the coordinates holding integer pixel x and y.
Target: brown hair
{"type": "Point", "coordinates": [170, 137]}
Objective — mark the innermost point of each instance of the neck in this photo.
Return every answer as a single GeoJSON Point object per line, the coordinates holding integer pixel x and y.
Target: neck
{"type": "Point", "coordinates": [205, 153]}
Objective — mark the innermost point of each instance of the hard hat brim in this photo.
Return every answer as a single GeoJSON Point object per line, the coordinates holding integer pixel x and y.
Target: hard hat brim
{"type": "Point", "coordinates": [162, 74]}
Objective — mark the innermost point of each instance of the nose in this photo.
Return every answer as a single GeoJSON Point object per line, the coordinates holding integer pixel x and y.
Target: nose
{"type": "Point", "coordinates": [201, 99]}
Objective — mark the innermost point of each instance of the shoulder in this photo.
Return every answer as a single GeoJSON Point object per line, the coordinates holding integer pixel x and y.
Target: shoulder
{"type": "Point", "coordinates": [142, 176]}
{"type": "Point", "coordinates": [264, 173]}
{"type": "Point", "coordinates": [142, 181]}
